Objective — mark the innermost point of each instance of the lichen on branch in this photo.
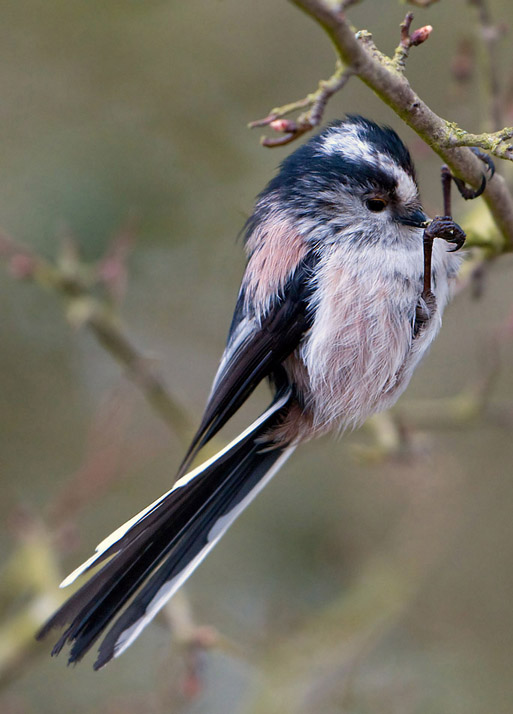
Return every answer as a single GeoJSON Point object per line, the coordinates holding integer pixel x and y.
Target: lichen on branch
{"type": "Point", "coordinates": [497, 143]}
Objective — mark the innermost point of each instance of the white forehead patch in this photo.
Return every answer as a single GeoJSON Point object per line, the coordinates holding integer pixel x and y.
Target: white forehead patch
{"type": "Point", "coordinates": [347, 140]}
{"type": "Point", "coordinates": [406, 187]}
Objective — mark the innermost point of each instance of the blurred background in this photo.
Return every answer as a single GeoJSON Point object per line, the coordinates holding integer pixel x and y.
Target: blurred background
{"type": "Point", "coordinates": [374, 574]}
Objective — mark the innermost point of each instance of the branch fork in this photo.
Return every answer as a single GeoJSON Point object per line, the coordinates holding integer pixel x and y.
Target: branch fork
{"type": "Point", "coordinates": [306, 121]}
{"type": "Point", "coordinates": [380, 74]}
{"type": "Point", "coordinates": [417, 37]}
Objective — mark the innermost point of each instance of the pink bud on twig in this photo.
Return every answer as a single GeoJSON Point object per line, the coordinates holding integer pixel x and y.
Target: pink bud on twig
{"type": "Point", "coordinates": [419, 36]}
{"type": "Point", "coordinates": [283, 125]}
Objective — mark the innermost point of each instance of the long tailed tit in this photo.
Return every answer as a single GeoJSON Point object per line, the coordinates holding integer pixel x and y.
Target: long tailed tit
{"type": "Point", "coordinates": [334, 311]}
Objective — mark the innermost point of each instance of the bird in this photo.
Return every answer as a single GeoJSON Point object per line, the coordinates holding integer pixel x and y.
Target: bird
{"type": "Point", "coordinates": [333, 313]}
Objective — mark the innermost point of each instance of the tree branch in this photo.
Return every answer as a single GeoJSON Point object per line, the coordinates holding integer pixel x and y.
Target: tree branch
{"type": "Point", "coordinates": [73, 281]}
{"type": "Point", "coordinates": [358, 52]}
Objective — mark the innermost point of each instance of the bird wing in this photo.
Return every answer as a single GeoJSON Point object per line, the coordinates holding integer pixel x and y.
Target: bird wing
{"type": "Point", "coordinates": [256, 348]}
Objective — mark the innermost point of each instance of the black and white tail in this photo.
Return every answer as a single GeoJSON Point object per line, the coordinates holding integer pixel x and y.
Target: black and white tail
{"type": "Point", "coordinates": [151, 556]}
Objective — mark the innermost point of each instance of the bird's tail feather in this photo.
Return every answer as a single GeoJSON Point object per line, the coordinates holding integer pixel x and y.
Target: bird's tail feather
{"type": "Point", "coordinates": [153, 554]}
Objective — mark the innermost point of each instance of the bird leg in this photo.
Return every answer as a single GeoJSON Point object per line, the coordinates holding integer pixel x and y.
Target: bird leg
{"type": "Point", "coordinates": [440, 227]}
{"type": "Point", "coordinates": [445, 227]}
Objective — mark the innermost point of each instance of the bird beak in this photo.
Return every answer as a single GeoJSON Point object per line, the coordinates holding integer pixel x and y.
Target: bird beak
{"type": "Point", "coordinates": [416, 219]}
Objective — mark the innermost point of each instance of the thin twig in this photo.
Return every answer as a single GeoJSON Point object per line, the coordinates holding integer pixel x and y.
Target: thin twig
{"type": "Point", "coordinates": [85, 309]}
{"type": "Point", "coordinates": [422, 3]}
{"type": "Point", "coordinates": [348, 3]}
{"type": "Point", "coordinates": [490, 35]}
{"type": "Point", "coordinates": [408, 41]}
{"type": "Point", "coordinates": [306, 121]}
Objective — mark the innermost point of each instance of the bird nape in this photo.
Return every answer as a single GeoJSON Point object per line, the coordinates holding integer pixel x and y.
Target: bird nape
{"type": "Point", "coordinates": [334, 312]}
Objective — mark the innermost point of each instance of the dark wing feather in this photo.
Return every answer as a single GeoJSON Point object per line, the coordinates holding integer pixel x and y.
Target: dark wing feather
{"type": "Point", "coordinates": [256, 347]}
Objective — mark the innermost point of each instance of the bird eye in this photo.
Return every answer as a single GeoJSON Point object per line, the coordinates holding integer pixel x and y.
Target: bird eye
{"type": "Point", "coordinates": [376, 205]}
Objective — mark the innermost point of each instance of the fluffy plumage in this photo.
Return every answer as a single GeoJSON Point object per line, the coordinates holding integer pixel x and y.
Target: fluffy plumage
{"type": "Point", "coordinates": [327, 313]}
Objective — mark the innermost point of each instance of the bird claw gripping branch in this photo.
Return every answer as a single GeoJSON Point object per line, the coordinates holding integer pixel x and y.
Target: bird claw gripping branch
{"type": "Point", "coordinates": [444, 226]}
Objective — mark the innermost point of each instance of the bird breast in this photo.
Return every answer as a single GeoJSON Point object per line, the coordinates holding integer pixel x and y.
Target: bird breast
{"type": "Point", "coordinates": [360, 352]}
